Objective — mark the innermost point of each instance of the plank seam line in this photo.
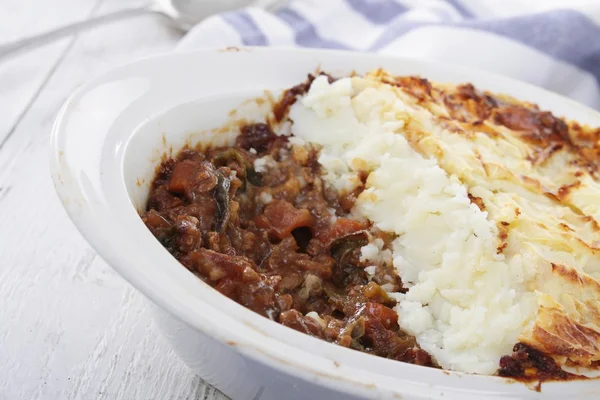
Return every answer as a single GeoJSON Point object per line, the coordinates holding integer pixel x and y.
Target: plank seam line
{"type": "Point", "coordinates": [47, 78]}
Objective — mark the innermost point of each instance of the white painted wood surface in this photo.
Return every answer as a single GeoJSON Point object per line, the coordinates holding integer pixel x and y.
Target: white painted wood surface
{"type": "Point", "coordinates": [70, 327]}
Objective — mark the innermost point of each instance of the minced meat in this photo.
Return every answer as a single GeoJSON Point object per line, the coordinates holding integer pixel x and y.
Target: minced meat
{"type": "Point", "coordinates": [277, 241]}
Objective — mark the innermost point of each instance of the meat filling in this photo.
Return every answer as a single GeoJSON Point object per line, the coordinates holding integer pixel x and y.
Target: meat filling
{"type": "Point", "coordinates": [271, 236]}
{"type": "Point", "coordinates": [277, 241]}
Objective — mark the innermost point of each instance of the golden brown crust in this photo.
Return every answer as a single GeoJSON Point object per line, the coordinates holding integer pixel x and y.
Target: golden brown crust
{"type": "Point", "coordinates": [559, 335]}
{"type": "Point", "coordinates": [547, 170]}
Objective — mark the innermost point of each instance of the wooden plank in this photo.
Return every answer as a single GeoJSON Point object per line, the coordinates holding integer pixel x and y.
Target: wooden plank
{"type": "Point", "coordinates": [70, 327]}
{"type": "Point", "coordinates": [21, 78]}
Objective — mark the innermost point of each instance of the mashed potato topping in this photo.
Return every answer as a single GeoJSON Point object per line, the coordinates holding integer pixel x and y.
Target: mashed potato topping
{"type": "Point", "coordinates": [495, 232]}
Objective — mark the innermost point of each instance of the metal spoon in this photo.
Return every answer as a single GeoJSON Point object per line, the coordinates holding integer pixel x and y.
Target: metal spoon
{"type": "Point", "coordinates": [183, 14]}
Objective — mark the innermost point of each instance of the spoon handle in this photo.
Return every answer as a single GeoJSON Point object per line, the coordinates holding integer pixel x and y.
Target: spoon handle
{"type": "Point", "coordinates": [20, 46]}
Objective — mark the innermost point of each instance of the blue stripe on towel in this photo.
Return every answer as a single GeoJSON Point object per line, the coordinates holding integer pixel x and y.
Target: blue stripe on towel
{"type": "Point", "coordinates": [245, 25]}
{"type": "Point", "coordinates": [306, 33]}
{"type": "Point", "coordinates": [377, 11]}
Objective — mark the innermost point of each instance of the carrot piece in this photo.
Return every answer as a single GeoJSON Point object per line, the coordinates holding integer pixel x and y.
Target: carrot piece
{"type": "Point", "coordinates": [282, 218]}
{"type": "Point", "coordinates": [183, 177]}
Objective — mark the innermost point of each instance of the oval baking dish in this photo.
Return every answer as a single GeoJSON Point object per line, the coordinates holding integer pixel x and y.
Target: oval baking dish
{"type": "Point", "coordinates": [106, 143]}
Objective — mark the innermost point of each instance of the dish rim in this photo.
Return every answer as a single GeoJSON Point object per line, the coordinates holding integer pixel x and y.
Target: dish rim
{"type": "Point", "coordinates": [83, 187]}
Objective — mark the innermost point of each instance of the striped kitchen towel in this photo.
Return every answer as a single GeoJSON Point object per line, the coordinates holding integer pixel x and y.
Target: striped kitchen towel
{"type": "Point", "coordinates": [550, 43]}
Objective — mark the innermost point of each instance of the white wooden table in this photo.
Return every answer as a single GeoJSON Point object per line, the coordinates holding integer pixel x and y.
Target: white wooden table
{"type": "Point", "coordinates": [70, 327]}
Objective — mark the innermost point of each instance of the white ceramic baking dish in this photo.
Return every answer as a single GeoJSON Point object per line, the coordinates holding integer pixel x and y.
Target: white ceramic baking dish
{"type": "Point", "coordinates": [106, 143]}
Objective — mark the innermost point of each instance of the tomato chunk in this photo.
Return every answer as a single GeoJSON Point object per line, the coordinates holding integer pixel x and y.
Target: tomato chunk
{"type": "Point", "coordinates": [341, 228]}
{"type": "Point", "coordinates": [385, 315]}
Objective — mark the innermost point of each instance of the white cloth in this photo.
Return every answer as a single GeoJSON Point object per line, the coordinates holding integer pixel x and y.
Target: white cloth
{"type": "Point", "coordinates": [550, 43]}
